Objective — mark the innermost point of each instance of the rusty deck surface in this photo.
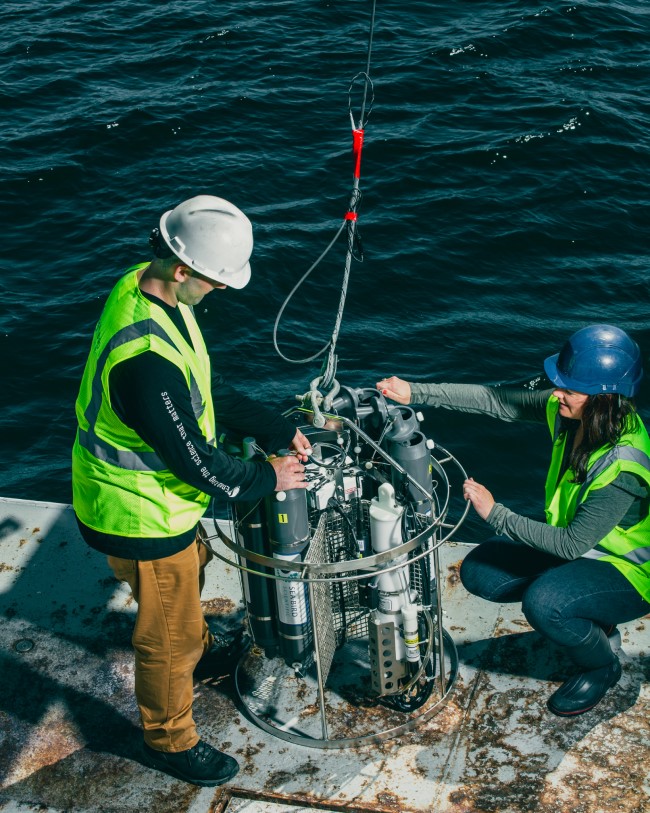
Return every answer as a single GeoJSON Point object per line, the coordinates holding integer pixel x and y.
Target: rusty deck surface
{"type": "Point", "coordinates": [70, 736]}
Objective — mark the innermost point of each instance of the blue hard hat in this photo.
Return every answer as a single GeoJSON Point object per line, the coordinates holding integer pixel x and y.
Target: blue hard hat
{"type": "Point", "coordinates": [597, 359]}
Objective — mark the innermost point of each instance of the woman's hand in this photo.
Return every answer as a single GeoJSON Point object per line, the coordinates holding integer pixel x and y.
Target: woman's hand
{"type": "Point", "coordinates": [479, 496]}
{"type": "Point", "coordinates": [301, 446]}
{"type": "Point", "coordinates": [396, 389]}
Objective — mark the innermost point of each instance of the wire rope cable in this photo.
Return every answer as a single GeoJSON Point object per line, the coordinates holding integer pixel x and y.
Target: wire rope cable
{"type": "Point", "coordinates": [354, 250]}
{"type": "Point", "coordinates": [289, 298]}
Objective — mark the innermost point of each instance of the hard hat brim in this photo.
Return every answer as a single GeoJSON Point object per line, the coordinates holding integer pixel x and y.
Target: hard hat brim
{"type": "Point", "coordinates": [237, 280]}
{"type": "Point", "coordinates": [626, 387]}
{"type": "Point", "coordinates": [564, 382]}
{"type": "Point", "coordinates": [552, 372]}
{"type": "Point", "coordinates": [233, 279]}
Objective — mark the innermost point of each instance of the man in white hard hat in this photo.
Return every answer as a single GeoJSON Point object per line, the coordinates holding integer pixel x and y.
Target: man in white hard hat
{"type": "Point", "coordinates": [146, 463]}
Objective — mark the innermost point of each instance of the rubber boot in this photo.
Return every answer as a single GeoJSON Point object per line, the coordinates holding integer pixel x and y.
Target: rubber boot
{"type": "Point", "coordinates": [600, 670]}
{"type": "Point", "coordinates": [614, 637]}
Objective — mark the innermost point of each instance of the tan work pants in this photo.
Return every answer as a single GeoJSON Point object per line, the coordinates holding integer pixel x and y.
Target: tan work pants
{"type": "Point", "coordinates": [169, 638]}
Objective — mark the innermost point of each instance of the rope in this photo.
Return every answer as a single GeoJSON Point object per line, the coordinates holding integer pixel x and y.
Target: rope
{"type": "Point", "coordinates": [327, 378]}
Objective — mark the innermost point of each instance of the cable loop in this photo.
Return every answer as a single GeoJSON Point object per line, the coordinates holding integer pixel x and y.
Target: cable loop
{"type": "Point", "coordinates": [363, 116]}
{"type": "Point", "coordinates": [290, 296]}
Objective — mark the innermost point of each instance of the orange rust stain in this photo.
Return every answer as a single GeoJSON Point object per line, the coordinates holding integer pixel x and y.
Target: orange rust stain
{"type": "Point", "coordinates": [454, 573]}
{"type": "Point", "coordinates": [52, 741]}
{"type": "Point", "coordinates": [220, 606]}
{"type": "Point", "coordinates": [309, 711]}
{"type": "Point", "coordinates": [389, 800]}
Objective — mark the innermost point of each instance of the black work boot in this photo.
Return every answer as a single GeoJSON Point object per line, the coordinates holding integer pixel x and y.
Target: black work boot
{"type": "Point", "coordinates": [200, 765]}
{"type": "Point", "coordinates": [600, 670]}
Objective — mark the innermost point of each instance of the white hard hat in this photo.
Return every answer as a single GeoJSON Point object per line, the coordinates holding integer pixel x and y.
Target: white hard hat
{"type": "Point", "coordinates": [211, 236]}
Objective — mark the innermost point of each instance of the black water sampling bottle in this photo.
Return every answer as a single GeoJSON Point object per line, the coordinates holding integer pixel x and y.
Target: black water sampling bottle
{"type": "Point", "coordinates": [287, 520]}
{"type": "Point", "coordinates": [259, 591]}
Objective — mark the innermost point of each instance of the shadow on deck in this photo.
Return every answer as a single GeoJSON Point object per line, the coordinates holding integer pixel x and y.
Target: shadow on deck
{"type": "Point", "coordinates": [70, 735]}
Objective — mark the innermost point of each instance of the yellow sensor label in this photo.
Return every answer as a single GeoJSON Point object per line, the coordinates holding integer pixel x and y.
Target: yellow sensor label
{"type": "Point", "coordinates": [283, 519]}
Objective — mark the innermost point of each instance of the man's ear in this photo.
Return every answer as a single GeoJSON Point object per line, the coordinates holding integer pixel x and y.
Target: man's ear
{"type": "Point", "coordinates": [181, 272]}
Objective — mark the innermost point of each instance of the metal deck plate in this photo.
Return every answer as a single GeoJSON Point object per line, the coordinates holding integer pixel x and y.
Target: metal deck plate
{"type": "Point", "coordinates": [70, 735]}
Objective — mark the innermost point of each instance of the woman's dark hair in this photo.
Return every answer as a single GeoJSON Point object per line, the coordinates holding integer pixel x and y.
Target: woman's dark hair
{"type": "Point", "coordinates": [604, 419]}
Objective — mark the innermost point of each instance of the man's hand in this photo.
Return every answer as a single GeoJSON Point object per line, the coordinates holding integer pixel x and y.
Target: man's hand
{"type": "Point", "coordinates": [289, 472]}
{"type": "Point", "coordinates": [396, 389]}
{"type": "Point", "coordinates": [300, 445]}
{"type": "Point", "coordinates": [479, 496]}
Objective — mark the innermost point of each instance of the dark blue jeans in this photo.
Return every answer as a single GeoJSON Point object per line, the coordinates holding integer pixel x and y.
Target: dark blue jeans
{"type": "Point", "coordinates": [562, 600]}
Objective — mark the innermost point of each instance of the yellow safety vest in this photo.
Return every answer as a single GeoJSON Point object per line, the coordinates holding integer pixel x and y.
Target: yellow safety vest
{"type": "Point", "coordinates": [119, 484]}
{"type": "Point", "coordinates": [628, 549]}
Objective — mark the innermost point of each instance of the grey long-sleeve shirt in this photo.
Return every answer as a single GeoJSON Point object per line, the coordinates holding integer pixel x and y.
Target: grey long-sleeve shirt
{"type": "Point", "coordinates": [623, 502]}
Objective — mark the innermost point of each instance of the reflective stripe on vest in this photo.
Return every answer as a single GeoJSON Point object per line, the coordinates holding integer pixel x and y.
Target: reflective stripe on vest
{"type": "Point", "coordinates": [98, 447]}
{"type": "Point", "coordinates": [614, 454]}
{"type": "Point", "coordinates": [640, 556]}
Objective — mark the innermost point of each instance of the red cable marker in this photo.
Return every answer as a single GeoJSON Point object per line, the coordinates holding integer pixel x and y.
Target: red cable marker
{"type": "Point", "coordinates": [357, 146]}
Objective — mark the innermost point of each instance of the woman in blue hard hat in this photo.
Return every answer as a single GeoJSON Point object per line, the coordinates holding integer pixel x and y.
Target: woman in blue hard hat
{"type": "Point", "coordinates": [587, 568]}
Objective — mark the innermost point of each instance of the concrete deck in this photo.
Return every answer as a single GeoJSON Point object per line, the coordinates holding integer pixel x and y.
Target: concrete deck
{"type": "Point", "coordinates": [70, 737]}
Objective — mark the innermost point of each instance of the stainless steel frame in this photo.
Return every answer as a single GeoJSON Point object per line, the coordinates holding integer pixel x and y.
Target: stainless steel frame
{"type": "Point", "coordinates": [284, 701]}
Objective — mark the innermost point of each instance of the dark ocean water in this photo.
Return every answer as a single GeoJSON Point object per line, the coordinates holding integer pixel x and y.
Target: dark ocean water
{"type": "Point", "coordinates": [504, 178]}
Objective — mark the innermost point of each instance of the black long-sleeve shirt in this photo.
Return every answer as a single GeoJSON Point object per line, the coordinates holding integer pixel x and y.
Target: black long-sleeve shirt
{"type": "Point", "coordinates": [150, 395]}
